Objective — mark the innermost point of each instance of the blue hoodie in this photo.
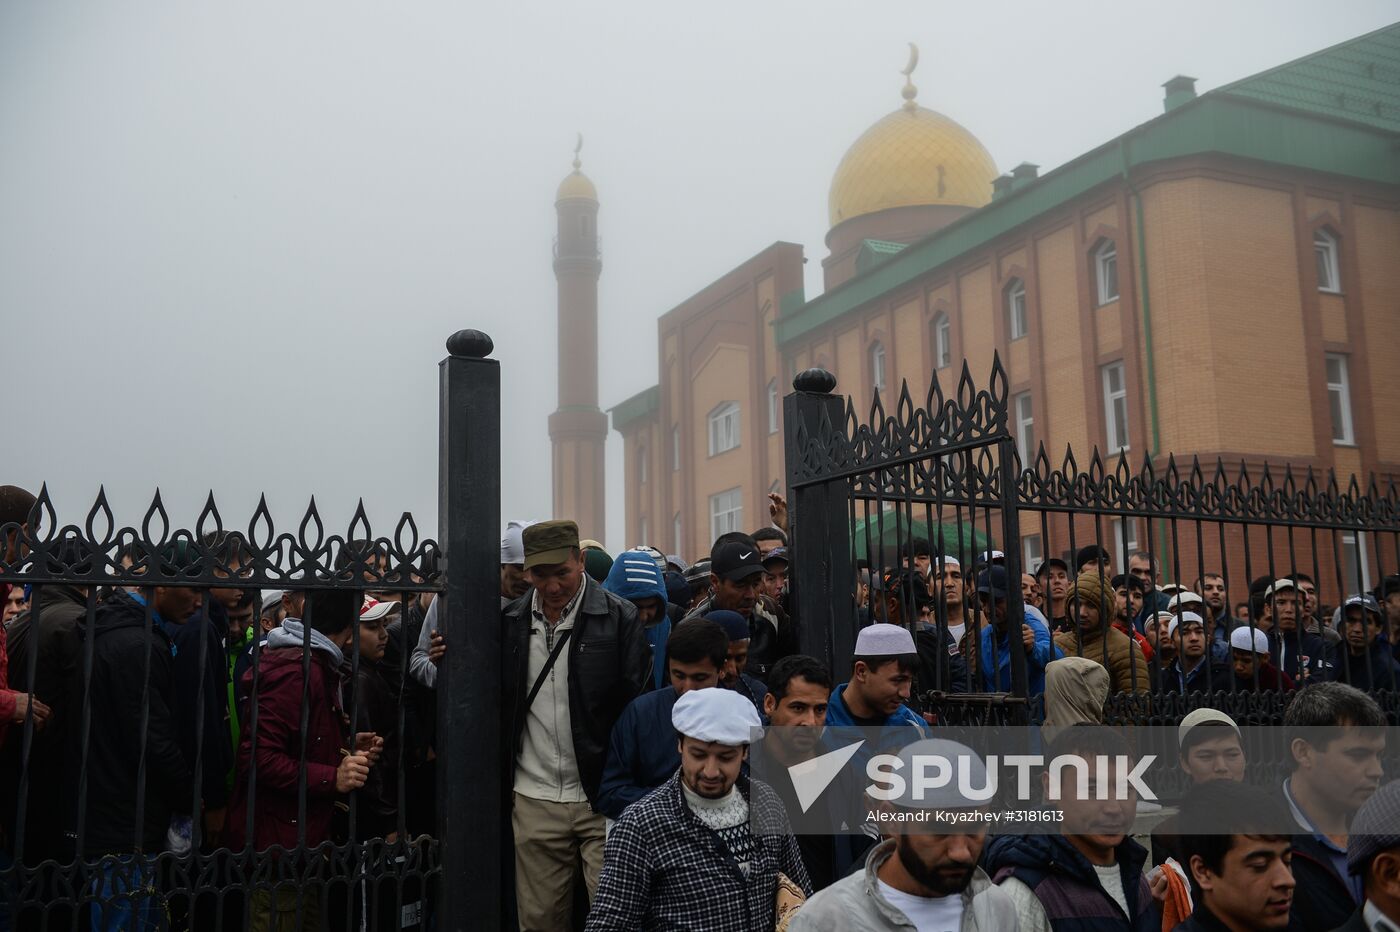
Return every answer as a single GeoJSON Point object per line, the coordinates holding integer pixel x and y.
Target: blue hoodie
{"type": "Point", "coordinates": [634, 576]}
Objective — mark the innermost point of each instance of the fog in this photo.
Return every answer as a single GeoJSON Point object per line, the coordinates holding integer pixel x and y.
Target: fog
{"type": "Point", "coordinates": [234, 237]}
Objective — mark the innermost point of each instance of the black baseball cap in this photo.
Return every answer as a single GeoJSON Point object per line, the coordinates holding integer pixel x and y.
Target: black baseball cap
{"type": "Point", "coordinates": [906, 584]}
{"type": "Point", "coordinates": [1053, 561]}
{"type": "Point", "coordinates": [992, 581]}
{"type": "Point", "coordinates": [776, 554]}
{"type": "Point", "coordinates": [1090, 554]}
{"type": "Point", "coordinates": [735, 561]}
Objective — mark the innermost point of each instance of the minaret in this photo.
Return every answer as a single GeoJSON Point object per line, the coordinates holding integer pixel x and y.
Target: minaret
{"type": "Point", "coordinates": [577, 429]}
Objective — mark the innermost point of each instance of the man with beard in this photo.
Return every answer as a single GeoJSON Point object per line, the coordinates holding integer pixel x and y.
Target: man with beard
{"type": "Point", "coordinates": [950, 595]}
{"type": "Point", "coordinates": [1336, 736]}
{"type": "Point", "coordinates": [705, 850]}
{"type": "Point", "coordinates": [1090, 877]}
{"type": "Point", "coordinates": [922, 878]}
{"type": "Point", "coordinates": [1242, 878]}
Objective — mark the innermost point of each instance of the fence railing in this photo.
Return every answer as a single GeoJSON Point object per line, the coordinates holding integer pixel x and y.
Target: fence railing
{"type": "Point", "coordinates": [175, 772]}
{"type": "Point", "coordinates": [938, 487]}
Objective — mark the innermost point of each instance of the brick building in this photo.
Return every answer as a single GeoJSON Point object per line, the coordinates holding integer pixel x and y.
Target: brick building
{"type": "Point", "coordinates": [1221, 281]}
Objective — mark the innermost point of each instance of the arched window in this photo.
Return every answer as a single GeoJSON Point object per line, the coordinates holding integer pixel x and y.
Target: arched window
{"type": "Point", "coordinates": [1329, 276]}
{"type": "Point", "coordinates": [877, 365]}
{"type": "Point", "coordinates": [1106, 271]}
{"type": "Point", "coordinates": [942, 342]}
{"type": "Point", "coordinates": [724, 427]}
{"type": "Point", "coordinates": [1016, 309]}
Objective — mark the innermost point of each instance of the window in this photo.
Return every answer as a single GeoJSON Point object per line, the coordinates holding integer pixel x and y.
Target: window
{"type": "Point", "coordinates": [877, 365]}
{"type": "Point", "coordinates": [1356, 567]}
{"type": "Point", "coordinates": [1328, 274]}
{"type": "Point", "coordinates": [724, 428]}
{"type": "Point", "coordinates": [1106, 271]}
{"type": "Point", "coordinates": [1032, 552]}
{"type": "Point", "coordinates": [1025, 429]}
{"type": "Point", "coordinates": [773, 406]}
{"type": "Point", "coordinates": [1339, 397]}
{"type": "Point", "coordinates": [726, 512]}
{"type": "Point", "coordinates": [942, 342]}
{"type": "Point", "coordinates": [1115, 407]}
{"type": "Point", "coordinates": [675, 448]}
{"type": "Point", "coordinates": [1123, 546]}
{"type": "Point", "coordinates": [676, 534]}
{"type": "Point", "coordinates": [1016, 309]}
{"type": "Point", "coordinates": [642, 466]}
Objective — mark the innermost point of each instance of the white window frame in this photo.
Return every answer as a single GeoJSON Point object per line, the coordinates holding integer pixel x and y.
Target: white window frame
{"type": "Point", "coordinates": [726, 512]}
{"type": "Point", "coordinates": [642, 469]}
{"type": "Point", "coordinates": [877, 365]}
{"type": "Point", "coordinates": [1352, 552]}
{"type": "Point", "coordinates": [675, 448]}
{"type": "Point", "coordinates": [1343, 433]}
{"type": "Point", "coordinates": [723, 425]}
{"type": "Point", "coordinates": [1121, 550]}
{"type": "Point", "coordinates": [1024, 412]}
{"type": "Point", "coordinates": [773, 405]}
{"type": "Point", "coordinates": [942, 341]}
{"type": "Point", "coordinates": [1106, 267]}
{"type": "Point", "coordinates": [1329, 272]}
{"type": "Point", "coordinates": [1016, 323]}
{"type": "Point", "coordinates": [1032, 553]}
{"type": "Point", "coordinates": [1113, 401]}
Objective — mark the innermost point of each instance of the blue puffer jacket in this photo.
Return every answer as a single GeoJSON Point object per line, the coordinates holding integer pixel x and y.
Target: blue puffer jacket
{"type": "Point", "coordinates": [1067, 886]}
{"type": "Point", "coordinates": [642, 752]}
{"type": "Point", "coordinates": [635, 576]}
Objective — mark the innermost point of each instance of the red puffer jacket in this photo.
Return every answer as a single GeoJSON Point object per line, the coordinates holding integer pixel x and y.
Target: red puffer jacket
{"type": "Point", "coordinates": [279, 751]}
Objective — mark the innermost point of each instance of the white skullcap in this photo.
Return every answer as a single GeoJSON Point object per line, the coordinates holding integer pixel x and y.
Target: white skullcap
{"type": "Point", "coordinates": [1279, 585]}
{"type": "Point", "coordinates": [717, 715]}
{"type": "Point", "coordinates": [884, 640]}
{"type": "Point", "coordinates": [1200, 717]}
{"type": "Point", "coordinates": [513, 543]}
{"type": "Point", "coordinates": [1241, 639]}
{"type": "Point", "coordinates": [1184, 597]}
{"type": "Point", "coordinates": [1186, 617]}
{"type": "Point", "coordinates": [947, 561]}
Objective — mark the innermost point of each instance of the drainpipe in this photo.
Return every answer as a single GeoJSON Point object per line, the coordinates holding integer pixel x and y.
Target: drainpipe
{"type": "Point", "coordinates": [1145, 302]}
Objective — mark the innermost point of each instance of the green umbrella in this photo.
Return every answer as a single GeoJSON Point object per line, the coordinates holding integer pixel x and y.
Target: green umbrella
{"type": "Point", "coordinates": [888, 535]}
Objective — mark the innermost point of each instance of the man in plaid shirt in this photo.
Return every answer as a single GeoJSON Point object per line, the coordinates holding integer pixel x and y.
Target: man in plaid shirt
{"type": "Point", "coordinates": [685, 856]}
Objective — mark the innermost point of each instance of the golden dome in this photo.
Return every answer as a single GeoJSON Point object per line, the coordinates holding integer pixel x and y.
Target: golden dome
{"type": "Point", "coordinates": [576, 185]}
{"type": "Point", "coordinates": [912, 157]}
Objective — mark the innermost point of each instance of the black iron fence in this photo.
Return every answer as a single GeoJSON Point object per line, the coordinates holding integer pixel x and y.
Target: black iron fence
{"type": "Point", "coordinates": [896, 516]}
{"type": "Point", "coordinates": [170, 773]}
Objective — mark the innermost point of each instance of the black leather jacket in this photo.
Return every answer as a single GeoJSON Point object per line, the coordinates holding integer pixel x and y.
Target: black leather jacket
{"type": "Point", "coordinates": [609, 666]}
{"type": "Point", "coordinates": [774, 636]}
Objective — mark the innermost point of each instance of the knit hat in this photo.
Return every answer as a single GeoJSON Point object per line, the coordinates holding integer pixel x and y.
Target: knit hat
{"type": "Point", "coordinates": [634, 576]}
{"type": "Point", "coordinates": [1089, 588]}
{"type": "Point", "coordinates": [677, 589]}
{"type": "Point", "coordinates": [598, 564]}
{"type": "Point", "coordinates": [1374, 828]}
{"type": "Point", "coordinates": [736, 626]}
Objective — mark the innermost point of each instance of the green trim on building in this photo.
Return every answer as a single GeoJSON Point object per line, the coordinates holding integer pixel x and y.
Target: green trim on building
{"type": "Point", "coordinates": [790, 302]}
{"type": "Point", "coordinates": [645, 402]}
{"type": "Point", "coordinates": [874, 251]}
{"type": "Point", "coordinates": [1228, 121]}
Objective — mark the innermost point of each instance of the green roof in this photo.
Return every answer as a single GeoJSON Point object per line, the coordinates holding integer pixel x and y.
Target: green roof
{"type": "Point", "coordinates": [874, 251]}
{"type": "Point", "coordinates": [1227, 121]}
{"type": "Point", "coordinates": [638, 406]}
{"type": "Point", "coordinates": [1357, 80]}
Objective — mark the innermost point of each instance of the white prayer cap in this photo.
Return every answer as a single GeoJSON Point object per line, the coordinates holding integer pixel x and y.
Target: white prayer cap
{"type": "Point", "coordinates": [513, 543]}
{"type": "Point", "coordinates": [1241, 639]}
{"type": "Point", "coordinates": [884, 640]}
{"type": "Point", "coordinates": [1185, 597]}
{"type": "Point", "coordinates": [717, 715]}
{"type": "Point", "coordinates": [1186, 617]}
{"type": "Point", "coordinates": [1200, 717]}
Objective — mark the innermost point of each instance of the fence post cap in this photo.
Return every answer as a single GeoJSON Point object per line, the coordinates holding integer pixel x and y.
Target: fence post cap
{"type": "Point", "coordinates": [817, 381]}
{"type": "Point", "coordinates": [471, 344]}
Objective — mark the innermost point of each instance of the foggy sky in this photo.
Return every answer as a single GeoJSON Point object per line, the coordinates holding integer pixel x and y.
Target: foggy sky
{"type": "Point", "coordinates": [234, 237]}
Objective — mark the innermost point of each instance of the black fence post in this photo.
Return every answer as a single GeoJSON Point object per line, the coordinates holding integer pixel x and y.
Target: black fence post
{"type": "Point", "coordinates": [469, 680]}
{"type": "Point", "coordinates": [1009, 477]}
{"type": "Point", "coordinates": [819, 526]}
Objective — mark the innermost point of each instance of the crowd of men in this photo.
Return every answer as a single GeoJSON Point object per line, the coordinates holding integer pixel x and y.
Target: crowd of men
{"type": "Point", "coordinates": [170, 719]}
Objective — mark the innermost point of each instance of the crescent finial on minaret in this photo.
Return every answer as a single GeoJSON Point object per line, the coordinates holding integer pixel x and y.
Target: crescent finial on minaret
{"type": "Point", "coordinates": [578, 147]}
{"type": "Point", "coordinates": [910, 91]}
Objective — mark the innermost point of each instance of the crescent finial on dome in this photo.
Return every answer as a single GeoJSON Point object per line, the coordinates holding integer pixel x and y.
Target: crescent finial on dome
{"type": "Point", "coordinates": [578, 147]}
{"type": "Point", "coordinates": [910, 91]}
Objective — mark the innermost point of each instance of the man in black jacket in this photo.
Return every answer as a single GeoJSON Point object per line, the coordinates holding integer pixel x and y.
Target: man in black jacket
{"type": "Point", "coordinates": [736, 580]}
{"type": "Point", "coordinates": [129, 701]}
{"type": "Point", "coordinates": [1336, 737]}
{"type": "Point", "coordinates": [574, 657]}
{"type": "Point", "coordinates": [1365, 661]}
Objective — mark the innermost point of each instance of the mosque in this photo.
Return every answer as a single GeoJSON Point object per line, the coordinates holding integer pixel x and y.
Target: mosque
{"type": "Point", "coordinates": [1221, 280]}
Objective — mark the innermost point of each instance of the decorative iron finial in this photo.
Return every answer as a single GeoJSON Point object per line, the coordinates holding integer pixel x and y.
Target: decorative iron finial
{"type": "Point", "coordinates": [578, 147]}
{"type": "Point", "coordinates": [910, 91]}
